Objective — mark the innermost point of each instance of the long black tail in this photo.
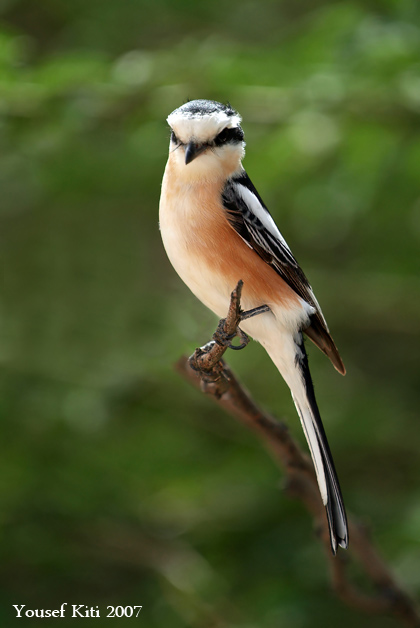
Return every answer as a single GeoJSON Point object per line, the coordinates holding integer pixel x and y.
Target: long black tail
{"type": "Point", "coordinates": [321, 454]}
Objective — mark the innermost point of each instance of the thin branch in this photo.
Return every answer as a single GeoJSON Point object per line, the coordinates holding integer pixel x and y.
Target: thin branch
{"type": "Point", "coordinates": [206, 369]}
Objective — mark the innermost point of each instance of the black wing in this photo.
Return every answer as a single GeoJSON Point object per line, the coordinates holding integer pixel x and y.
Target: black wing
{"type": "Point", "coordinates": [250, 218]}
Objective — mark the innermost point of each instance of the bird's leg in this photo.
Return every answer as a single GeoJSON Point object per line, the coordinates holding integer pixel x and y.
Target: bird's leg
{"type": "Point", "coordinates": [254, 312]}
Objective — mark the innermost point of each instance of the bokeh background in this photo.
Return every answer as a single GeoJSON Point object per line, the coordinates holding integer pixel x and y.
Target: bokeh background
{"type": "Point", "coordinates": [120, 484]}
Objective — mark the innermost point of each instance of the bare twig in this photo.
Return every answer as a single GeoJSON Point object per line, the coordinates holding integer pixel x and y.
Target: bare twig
{"type": "Point", "coordinates": [206, 369]}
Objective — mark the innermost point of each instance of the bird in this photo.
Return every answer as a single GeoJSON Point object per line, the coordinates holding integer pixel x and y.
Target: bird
{"type": "Point", "coordinates": [217, 230]}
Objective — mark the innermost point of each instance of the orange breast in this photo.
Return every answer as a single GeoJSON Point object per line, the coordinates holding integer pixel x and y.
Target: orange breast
{"type": "Point", "coordinates": [210, 236]}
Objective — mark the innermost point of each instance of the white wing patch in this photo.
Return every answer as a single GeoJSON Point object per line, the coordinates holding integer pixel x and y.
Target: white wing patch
{"type": "Point", "coordinates": [261, 213]}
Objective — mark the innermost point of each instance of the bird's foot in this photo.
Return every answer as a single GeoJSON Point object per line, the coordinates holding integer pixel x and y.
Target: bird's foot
{"type": "Point", "coordinates": [225, 340]}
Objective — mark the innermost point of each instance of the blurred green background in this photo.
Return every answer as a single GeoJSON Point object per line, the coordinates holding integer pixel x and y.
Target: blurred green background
{"type": "Point", "coordinates": [120, 484]}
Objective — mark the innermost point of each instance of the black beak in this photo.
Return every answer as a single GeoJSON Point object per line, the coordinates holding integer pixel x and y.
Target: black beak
{"type": "Point", "coordinates": [192, 151]}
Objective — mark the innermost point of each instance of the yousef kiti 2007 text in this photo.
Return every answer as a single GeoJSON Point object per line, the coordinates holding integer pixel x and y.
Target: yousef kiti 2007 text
{"type": "Point", "coordinates": [75, 610]}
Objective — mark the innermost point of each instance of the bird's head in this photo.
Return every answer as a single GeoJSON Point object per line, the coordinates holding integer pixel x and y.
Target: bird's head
{"type": "Point", "coordinates": [207, 140]}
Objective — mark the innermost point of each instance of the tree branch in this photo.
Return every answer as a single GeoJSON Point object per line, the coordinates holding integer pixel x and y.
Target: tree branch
{"type": "Point", "coordinates": [206, 369]}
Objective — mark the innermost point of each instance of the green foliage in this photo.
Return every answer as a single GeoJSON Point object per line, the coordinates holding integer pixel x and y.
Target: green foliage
{"type": "Point", "coordinates": [119, 484]}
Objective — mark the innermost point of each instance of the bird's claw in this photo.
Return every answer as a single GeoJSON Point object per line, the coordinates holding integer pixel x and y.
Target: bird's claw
{"type": "Point", "coordinates": [225, 340]}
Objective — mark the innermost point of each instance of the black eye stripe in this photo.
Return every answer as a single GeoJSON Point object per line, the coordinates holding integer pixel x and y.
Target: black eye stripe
{"type": "Point", "coordinates": [226, 136]}
{"type": "Point", "coordinates": [229, 136]}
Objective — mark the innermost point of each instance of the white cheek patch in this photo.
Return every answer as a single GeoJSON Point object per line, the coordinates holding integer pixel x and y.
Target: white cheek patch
{"type": "Point", "coordinates": [217, 163]}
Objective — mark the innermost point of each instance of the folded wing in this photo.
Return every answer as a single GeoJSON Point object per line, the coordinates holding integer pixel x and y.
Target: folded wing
{"type": "Point", "coordinates": [251, 219]}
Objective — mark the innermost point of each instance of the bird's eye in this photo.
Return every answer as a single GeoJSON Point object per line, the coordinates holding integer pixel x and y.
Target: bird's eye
{"type": "Point", "coordinates": [174, 138]}
{"type": "Point", "coordinates": [222, 137]}
{"type": "Point", "coordinates": [232, 135]}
